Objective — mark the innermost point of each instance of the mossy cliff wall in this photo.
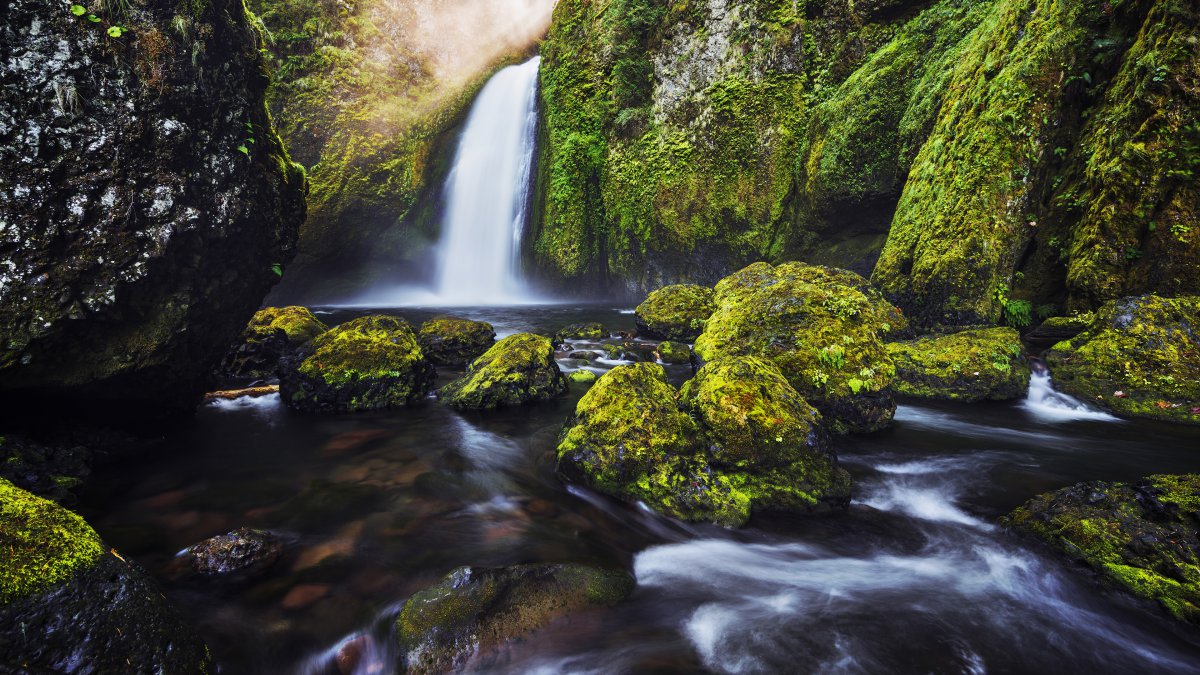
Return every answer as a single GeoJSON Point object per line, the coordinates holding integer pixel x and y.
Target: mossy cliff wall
{"type": "Point", "coordinates": [995, 146]}
{"type": "Point", "coordinates": [370, 95]}
{"type": "Point", "coordinates": [144, 201]}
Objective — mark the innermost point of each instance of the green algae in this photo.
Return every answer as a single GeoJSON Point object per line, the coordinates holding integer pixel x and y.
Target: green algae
{"type": "Point", "coordinates": [41, 543]}
{"type": "Point", "coordinates": [974, 365]}
{"type": "Point", "coordinates": [675, 313]}
{"type": "Point", "coordinates": [518, 369]}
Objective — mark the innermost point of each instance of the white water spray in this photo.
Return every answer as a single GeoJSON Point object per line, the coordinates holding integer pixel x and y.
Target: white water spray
{"type": "Point", "coordinates": [487, 193]}
{"type": "Point", "coordinates": [1048, 405]}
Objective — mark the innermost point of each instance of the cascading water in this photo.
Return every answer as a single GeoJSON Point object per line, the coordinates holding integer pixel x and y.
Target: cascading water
{"type": "Point", "coordinates": [487, 193]}
{"type": "Point", "coordinates": [1049, 405]}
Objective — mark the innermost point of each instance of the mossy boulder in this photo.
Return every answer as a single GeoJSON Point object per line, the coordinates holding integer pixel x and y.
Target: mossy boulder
{"type": "Point", "coordinates": [675, 312]}
{"type": "Point", "coordinates": [368, 363]}
{"type": "Point", "coordinates": [581, 331]}
{"type": "Point", "coordinates": [451, 341]}
{"type": "Point", "coordinates": [1142, 537]}
{"type": "Point", "coordinates": [823, 334]}
{"type": "Point", "coordinates": [464, 621]}
{"type": "Point", "coordinates": [974, 365]}
{"type": "Point", "coordinates": [1146, 348]}
{"type": "Point", "coordinates": [698, 457]}
{"type": "Point", "coordinates": [67, 599]}
{"type": "Point", "coordinates": [518, 369]}
{"type": "Point", "coordinates": [582, 377]}
{"type": "Point", "coordinates": [272, 334]}
{"type": "Point", "coordinates": [674, 353]}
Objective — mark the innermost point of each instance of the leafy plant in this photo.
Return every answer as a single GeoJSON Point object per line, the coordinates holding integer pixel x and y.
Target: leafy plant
{"type": "Point", "coordinates": [277, 269]}
{"type": "Point", "coordinates": [833, 356]}
{"type": "Point", "coordinates": [1018, 313]}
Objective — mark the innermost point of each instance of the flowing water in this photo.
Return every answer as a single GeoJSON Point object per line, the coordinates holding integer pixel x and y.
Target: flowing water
{"type": "Point", "coordinates": [916, 577]}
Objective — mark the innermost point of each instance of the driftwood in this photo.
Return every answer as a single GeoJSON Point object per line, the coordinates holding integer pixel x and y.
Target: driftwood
{"type": "Point", "coordinates": [230, 394]}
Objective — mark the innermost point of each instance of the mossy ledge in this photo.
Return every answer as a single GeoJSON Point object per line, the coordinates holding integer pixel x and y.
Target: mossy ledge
{"type": "Point", "coordinates": [973, 365]}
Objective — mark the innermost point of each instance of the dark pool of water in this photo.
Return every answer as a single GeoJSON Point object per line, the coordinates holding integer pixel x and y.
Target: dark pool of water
{"type": "Point", "coordinates": [915, 578]}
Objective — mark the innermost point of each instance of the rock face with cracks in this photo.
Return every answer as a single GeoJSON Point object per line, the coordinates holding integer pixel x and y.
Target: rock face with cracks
{"type": "Point", "coordinates": [518, 369]}
{"type": "Point", "coordinates": [146, 203]}
{"type": "Point", "coordinates": [974, 365]}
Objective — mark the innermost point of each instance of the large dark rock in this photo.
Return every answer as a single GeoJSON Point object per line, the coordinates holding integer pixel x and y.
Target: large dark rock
{"type": "Point", "coordinates": [465, 620]}
{"type": "Point", "coordinates": [1142, 537]}
{"type": "Point", "coordinates": [146, 204]}
{"type": "Point", "coordinates": [451, 341]}
{"type": "Point", "coordinates": [70, 604]}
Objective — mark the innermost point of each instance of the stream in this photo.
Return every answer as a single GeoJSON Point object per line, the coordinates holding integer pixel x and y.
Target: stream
{"type": "Point", "coordinates": [915, 577]}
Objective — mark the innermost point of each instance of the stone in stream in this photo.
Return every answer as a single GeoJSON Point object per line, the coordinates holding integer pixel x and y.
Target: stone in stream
{"type": "Point", "coordinates": [518, 369]}
{"type": "Point", "coordinates": [582, 376]}
{"type": "Point", "coordinates": [738, 438]}
{"type": "Point", "coordinates": [451, 341]}
{"type": "Point", "coordinates": [1140, 357]}
{"type": "Point", "coordinates": [272, 334]}
{"type": "Point", "coordinates": [369, 363]}
{"type": "Point", "coordinates": [581, 331]}
{"type": "Point", "coordinates": [974, 365]}
{"type": "Point", "coordinates": [675, 312]}
{"type": "Point", "coordinates": [1142, 537]}
{"type": "Point", "coordinates": [243, 553]}
{"type": "Point", "coordinates": [465, 620]}
{"type": "Point", "coordinates": [69, 603]}
{"type": "Point", "coordinates": [823, 333]}
{"type": "Point", "coordinates": [674, 353]}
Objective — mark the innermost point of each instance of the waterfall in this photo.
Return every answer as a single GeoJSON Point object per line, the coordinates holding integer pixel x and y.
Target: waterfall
{"type": "Point", "coordinates": [487, 193]}
{"type": "Point", "coordinates": [1049, 405]}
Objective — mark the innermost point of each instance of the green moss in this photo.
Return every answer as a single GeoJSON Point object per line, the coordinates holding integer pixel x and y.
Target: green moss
{"type": "Point", "coordinates": [975, 365]}
{"type": "Point", "coordinates": [674, 353]}
{"type": "Point", "coordinates": [451, 341]}
{"type": "Point", "coordinates": [582, 376]}
{"type": "Point", "coordinates": [581, 331]}
{"type": "Point", "coordinates": [1146, 348]}
{"type": "Point", "coordinates": [41, 543]}
{"type": "Point", "coordinates": [518, 369]}
{"type": "Point", "coordinates": [675, 312]}
{"type": "Point", "coordinates": [297, 323]}
{"type": "Point", "coordinates": [1141, 537]}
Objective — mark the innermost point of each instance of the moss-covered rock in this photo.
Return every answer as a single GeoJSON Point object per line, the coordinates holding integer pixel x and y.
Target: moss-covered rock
{"type": "Point", "coordinates": [518, 369]}
{"type": "Point", "coordinates": [822, 334]}
{"type": "Point", "coordinates": [272, 334]}
{"type": "Point", "coordinates": [740, 439]}
{"type": "Point", "coordinates": [451, 341]}
{"type": "Point", "coordinates": [974, 365]}
{"type": "Point", "coordinates": [674, 353]}
{"type": "Point", "coordinates": [1146, 348]}
{"type": "Point", "coordinates": [66, 599]}
{"type": "Point", "coordinates": [368, 363]}
{"type": "Point", "coordinates": [1142, 537]}
{"type": "Point", "coordinates": [675, 312]}
{"type": "Point", "coordinates": [590, 330]}
{"type": "Point", "coordinates": [463, 622]}
{"type": "Point", "coordinates": [582, 377]}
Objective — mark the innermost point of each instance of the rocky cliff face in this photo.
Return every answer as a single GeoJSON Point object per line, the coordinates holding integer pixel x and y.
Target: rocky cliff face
{"type": "Point", "coordinates": [1006, 151]}
{"type": "Point", "coordinates": [146, 204]}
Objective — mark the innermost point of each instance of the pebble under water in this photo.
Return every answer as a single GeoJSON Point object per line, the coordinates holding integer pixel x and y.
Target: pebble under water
{"type": "Point", "coordinates": [916, 577]}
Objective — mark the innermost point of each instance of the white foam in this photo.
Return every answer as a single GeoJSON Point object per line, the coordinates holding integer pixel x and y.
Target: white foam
{"type": "Point", "coordinates": [1048, 405]}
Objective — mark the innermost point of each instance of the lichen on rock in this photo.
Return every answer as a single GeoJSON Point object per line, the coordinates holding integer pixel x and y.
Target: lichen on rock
{"type": "Point", "coordinates": [1142, 537]}
{"type": "Point", "coordinates": [453, 341]}
{"type": "Point", "coordinates": [973, 365]}
{"type": "Point", "coordinates": [1140, 357]}
{"type": "Point", "coordinates": [518, 369]}
{"type": "Point", "coordinates": [675, 312]}
{"type": "Point", "coordinates": [368, 363]}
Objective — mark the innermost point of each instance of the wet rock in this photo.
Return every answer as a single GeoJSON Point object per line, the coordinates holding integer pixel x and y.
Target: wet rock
{"type": "Point", "coordinates": [1142, 537]}
{"type": "Point", "coordinates": [451, 341]}
{"type": "Point", "coordinates": [69, 603]}
{"type": "Point", "coordinates": [1058, 328]}
{"type": "Point", "coordinates": [974, 365]}
{"type": "Point", "coordinates": [518, 369]}
{"type": "Point", "coordinates": [582, 376]}
{"type": "Point", "coordinates": [303, 595]}
{"type": "Point", "coordinates": [138, 237]}
{"type": "Point", "coordinates": [581, 331]}
{"type": "Point", "coordinates": [54, 471]}
{"type": "Point", "coordinates": [369, 363]}
{"type": "Point", "coordinates": [273, 334]}
{"type": "Point", "coordinates": [823, 334]}
{"type": "Point", "coordinates": [243, 553]}
{"type": "Point", "coordinates": [584, 355]}
{"type": "Point", "coordinates": [674, 353]}
{"type": "Point", "coordinates": [466, 620]}
{"type": "Point", "coordinates": [1147, 348]}
{"type": "Point", "coordinates": [675, 312]}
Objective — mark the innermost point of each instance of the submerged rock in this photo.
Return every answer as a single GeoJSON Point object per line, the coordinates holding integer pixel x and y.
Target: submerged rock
{"type": "Point", "coordinates": [243, 553]}
{"type": "Point", "coordinates": [369, 363]}
{"type": "Point", "coordinates": [750, 443]}
{"type": "Point", "coordinates": [674, 353]}
{"type": "Point", "coordinates": [50, 470]}
{"type": "Point", "coordinates": [973, 365]}
{"type": "Point", "coordinates": [518, 369]}
{"type": "Point", "coordinates": [272, 334]}
{"type": "Point", "coordinates": [581, 331]}
{"type": "Point", "coordinates": [468, 618]}
{"type": "Point", "coordinates": [822, 333]}
{"type": "Point", "coordinates": [68, 603]}
{"type": "Point", "coordinates": [675, 313]}
{"type": "Point", "coordinates": [147, 204]}
{"type": "Point", "coordinates": [1142, 537]}
{"type": "Point", "coordinates": [1147, 348]}
{"type": "Point", "coordinates": [451, 341]}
